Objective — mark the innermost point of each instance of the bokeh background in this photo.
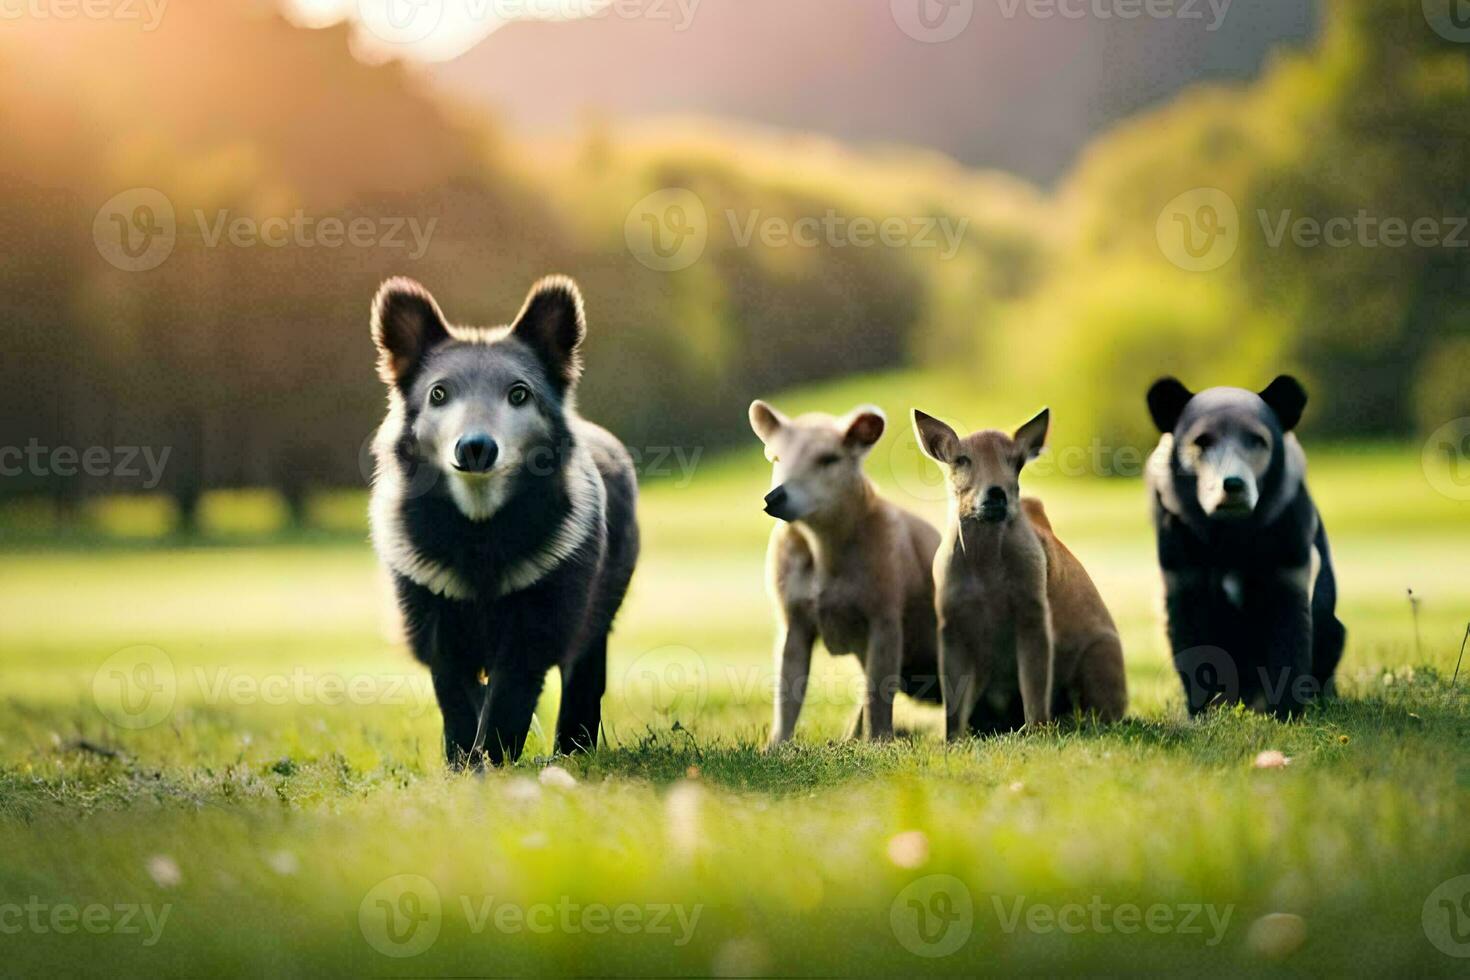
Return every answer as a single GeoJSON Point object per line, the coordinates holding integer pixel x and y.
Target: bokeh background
{"type": "Point", "coordinates": [1048, 146]}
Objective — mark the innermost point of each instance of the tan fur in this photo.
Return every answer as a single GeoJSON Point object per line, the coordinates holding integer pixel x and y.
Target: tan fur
{"type": "Point", "coordinates": [852, 570]}
{"type": "Point", "coordinates": [1019, 618]}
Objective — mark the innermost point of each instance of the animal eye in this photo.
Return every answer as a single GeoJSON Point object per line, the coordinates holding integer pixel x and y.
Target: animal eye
{"type": "Point", "coordinates": [828, 459]}
{"type": "Point", "coordinates": [1204, 440]}
{"type": "Point", "coordinates": [438, 394]}
{"type": "Point", "coordinates": [1254, 440]}
{"type": "Point", "coordinates": [518, 394]}
{"type": "Point", "coordinates": [961, 461]}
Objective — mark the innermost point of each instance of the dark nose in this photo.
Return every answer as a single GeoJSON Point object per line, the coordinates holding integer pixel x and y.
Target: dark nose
{"type": "Point", "coordinates": [475, 453]}
{"type": "Point", "coordinates": [995, 497]}
{"type": "Point", "coordinates": [1234, 484]}
{"type": "Point", "coordinates": [775, 499]}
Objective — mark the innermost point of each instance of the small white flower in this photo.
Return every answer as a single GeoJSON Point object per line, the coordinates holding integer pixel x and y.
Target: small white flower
{"type": "Point", "coordinates": [558, 777]}
{"type": "Point", "coordinates": [283, 862]}
{"type": "Point", "coordinates": [164, 871]}
{"type": "Point", "coordinates": [909, 849]}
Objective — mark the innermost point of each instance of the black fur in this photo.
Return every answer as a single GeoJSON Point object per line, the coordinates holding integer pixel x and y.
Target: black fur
{"type": "Point", "coordinates": [1277, 648]}
{"type": "Point", "coordinates": [561, 620]}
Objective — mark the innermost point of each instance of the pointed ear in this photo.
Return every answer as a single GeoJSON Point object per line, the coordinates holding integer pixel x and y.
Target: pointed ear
{"type": "Point", "coordinates": [1166, 400]}
{"type": "Point", "coordinates": [765, 420]}
{"type": "Point", "coordinates": [937, 440]}
{"type": "Point", "coordinates": [552, 324]}
{"type": "Point", "coordinates": [1287, 398]}
{"type": "Point", "coordinates": [1032, 436]}
{"type": "Point", "coordinates": [406, 325]}
{"type": "Point", "coordinates": [865, 426]}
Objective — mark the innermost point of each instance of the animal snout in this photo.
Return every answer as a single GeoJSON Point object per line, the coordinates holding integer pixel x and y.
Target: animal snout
{"type": "Point", "coordinates": [475, 453]}
{"type": "Point", "coordinates": [776, 501]}
{"type": "Point", "coordinates": [1233, 485]}
{"type": "Point", "coordinates": [994, 505]}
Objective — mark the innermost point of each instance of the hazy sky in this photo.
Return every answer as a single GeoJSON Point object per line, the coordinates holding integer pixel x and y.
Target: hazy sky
{"type": "Point", "coordinates": [430, 30]}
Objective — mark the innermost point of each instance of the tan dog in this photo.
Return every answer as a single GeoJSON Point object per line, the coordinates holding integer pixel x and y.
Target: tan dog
{"type": "Point", "coordinates": [1023, 633]}
{"type": "Point", "coordinates": [848, 567]}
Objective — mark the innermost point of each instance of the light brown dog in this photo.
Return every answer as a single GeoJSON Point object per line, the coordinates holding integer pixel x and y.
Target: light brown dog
{"type": "Point", "coordinates": [1023, 634]}
{"type": "Point", "coordinates": [847, 567]}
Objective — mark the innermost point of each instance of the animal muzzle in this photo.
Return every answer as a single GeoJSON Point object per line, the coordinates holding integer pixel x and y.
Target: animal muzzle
{"type": "Point", "coordinates": [778, 504]}
{"type": "Point", "coordinates": [475, 453]}
{"type": "Point", "coordinates": [994, 506]}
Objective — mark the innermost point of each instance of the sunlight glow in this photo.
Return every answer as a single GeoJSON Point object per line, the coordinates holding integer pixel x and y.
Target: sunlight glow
{"type": "Point", "coordinates": [430, 30]}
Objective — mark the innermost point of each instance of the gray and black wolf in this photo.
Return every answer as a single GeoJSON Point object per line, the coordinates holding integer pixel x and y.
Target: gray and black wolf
{"type": "Point", "coordinates": [505, 519]}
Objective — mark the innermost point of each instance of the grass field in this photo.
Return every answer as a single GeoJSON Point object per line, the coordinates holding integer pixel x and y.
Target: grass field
{"type": "Point", "coordinates": [215, 758]}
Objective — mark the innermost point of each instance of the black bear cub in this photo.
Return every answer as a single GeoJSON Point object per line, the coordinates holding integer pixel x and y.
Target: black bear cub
{"type": "Point", "coordinates": [1250, 591]}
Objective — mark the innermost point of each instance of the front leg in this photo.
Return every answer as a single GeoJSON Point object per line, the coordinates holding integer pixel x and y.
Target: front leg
{"type": "Point", "coordinates": [883, 666]}
{"type": "Point", "coordinates": [962, 676]}
{"type": "Point", "coordinates": [460, 700]}
{"type": "Point", "coordinates": [1278, 610]}
{"type": "Point", "coordinates": [506, 719]}
{"type": "Point", "coordinates": [793, 667]}
{"type": "Point", "coordinates": [1034, 656]}
{"type": "Point", "coordinates": [1208, 670]}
